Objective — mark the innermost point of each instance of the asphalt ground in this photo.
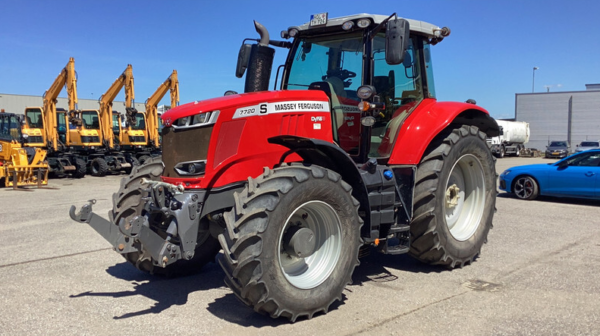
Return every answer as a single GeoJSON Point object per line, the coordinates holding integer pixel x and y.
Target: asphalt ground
{"type": "Point", "coordinates": [538, 275]}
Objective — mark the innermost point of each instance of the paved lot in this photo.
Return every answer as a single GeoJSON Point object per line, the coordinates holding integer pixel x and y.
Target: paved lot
{"type": "Point", "coordinates": [538, 275]}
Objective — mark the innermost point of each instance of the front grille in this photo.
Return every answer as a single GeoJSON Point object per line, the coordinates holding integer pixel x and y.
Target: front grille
{"type": "Point", "coordinates": [502, 184]}
{"type": "Point", "coordinates": [183, 145]}
{"type": "Point", "coordinates": [35, 139]}
{"type": "Point", "coordinates": [137, 138]}
{"type": "Point", "coordinates": [90, 139]}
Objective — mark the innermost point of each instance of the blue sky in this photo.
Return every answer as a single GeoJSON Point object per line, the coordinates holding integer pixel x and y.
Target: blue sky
{"type": "Point", "coordinates": [489, 56]}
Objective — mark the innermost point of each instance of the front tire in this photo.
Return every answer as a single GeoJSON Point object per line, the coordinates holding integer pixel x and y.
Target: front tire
{"type": "Point", "coordinates": [526, 188]}
{"type": "Point", "coordinates": [291, 241]}
{"type": "Point", "coordinates": [80, 168]}
{"type": "Point", "coordinates": [99, 167]}
{"type": "Point", "coordinates": [455, 197]}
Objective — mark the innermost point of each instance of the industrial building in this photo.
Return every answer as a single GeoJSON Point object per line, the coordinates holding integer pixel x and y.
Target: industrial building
{"type": "Point", "coordinates": [16, 103]}
{"type": "Point", "coordinates": [572, 115]}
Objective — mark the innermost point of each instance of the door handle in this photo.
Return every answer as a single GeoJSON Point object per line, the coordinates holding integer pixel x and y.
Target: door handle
{"type": "Point", "coordinates": [590, 174]}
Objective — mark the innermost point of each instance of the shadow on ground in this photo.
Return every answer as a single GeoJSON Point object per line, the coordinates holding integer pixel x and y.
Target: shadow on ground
{"type": "Point", "coordinates": [166, 292]}
{"type": "Point", "coordinates": [175, 291]}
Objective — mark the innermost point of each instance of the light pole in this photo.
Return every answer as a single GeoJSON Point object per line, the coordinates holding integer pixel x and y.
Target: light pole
{"type": "Point", "coordinates": [533, 83]}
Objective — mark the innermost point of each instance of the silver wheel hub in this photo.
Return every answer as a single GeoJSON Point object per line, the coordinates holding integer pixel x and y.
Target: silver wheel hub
{"type": "Point", "coordinates": [310, 244]}
{"type": "Point", "coordinates": [464, 197]}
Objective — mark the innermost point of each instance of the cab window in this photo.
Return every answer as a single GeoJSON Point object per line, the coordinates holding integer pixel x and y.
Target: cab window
{"type": "Point", "coordinates": [400, 88]}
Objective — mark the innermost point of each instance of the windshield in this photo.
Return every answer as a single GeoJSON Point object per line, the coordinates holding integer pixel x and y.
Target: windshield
{"type": "Point", "coordinates": [590, 144]}
{"type": "Point", "coordinates": [334, 64]}
{"type": "Point", "coordinates": [34, 118]}
{"type": "Point", "coordinates": [558, 144]}
{"type": "Point", "coordinates": [90, 119]}
{"type": "Point", "coordinates": [116, 123]}
{"type": "Point", "coordinates": [9, 128]}
{"type": "Point", "coordinates": [140, 122]}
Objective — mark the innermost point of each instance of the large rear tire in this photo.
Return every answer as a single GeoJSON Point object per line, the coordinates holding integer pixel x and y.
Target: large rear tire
{"type": "Point", "coordinates": [455, 197]}
{"type": "Point", "coordinates": [127, 203]}
{"type": "Point", "coordinates": [291, 241]}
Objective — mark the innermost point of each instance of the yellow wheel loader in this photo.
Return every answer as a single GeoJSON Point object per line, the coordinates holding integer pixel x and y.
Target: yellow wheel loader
{"type": "Point", "coordinates": [19, 166]}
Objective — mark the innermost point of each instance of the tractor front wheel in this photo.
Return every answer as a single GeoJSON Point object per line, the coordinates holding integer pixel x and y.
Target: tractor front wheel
{"type": "Point", "coordinates": [455, 197]}
{"type": "Point", "coordinates": [291, 241]}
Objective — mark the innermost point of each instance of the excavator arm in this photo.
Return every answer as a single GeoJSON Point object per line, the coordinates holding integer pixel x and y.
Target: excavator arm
{"type": "Point", "coordinates": [106, 103]}
{"type": "Point", "coordinates": [171, 84]}
{"type": "Point", "coordinates": [68, 78]}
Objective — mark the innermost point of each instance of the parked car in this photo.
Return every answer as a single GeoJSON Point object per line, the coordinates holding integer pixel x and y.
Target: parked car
{"type": "Point", "coordinates": [585, 145]}
{"type": "Point", "coordinates": [575, 176]}
{"type": "Point", "coordinates": [557, 149]}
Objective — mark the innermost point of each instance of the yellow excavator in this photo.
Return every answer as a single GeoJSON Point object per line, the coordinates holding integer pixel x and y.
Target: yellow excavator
{"type": "Point", "coordinates": [62, 133]}
{"type": "Point", "coordinates": [19, 166]}
{"type": "Point", "coordinates": [113, 135]}
{"type": "Point", "coordinates": [153, 124]}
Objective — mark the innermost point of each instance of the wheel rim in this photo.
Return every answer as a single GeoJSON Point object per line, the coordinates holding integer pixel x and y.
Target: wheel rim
{"type": "Point", "coordinates": [311, 271]}
{"type": "Point", "coordinates": [465, 197]}
{"type": "Point", "coordinates": [524, 187]}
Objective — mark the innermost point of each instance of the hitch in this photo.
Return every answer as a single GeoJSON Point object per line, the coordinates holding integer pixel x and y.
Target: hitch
{"type": "Point", "coordinates": [85, 214]}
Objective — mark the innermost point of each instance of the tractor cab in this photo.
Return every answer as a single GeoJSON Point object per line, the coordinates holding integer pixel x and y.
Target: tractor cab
{"type": "Point", "coordinates": [375, 70]}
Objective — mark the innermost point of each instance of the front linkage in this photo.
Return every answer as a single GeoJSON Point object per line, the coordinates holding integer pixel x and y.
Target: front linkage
{"type": "Point", "coordinates": [135, 234]}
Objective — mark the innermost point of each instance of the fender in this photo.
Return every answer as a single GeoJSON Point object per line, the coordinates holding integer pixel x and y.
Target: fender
{"type": "Point", "coordinates": [330, 156]}
{"type": "Point", "coordinates": [428, 120]}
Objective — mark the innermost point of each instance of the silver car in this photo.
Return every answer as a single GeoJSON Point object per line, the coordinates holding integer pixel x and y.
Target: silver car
{"type": "Point", "coordinates": [585, 145]}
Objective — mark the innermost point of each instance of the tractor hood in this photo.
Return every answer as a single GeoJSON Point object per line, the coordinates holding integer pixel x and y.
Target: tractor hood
{"type": "Point", "coordinates": [239, 100]}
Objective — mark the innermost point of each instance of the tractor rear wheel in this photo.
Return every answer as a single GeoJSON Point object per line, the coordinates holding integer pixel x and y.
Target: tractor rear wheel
{"type": "Point", "coordinates": [455, 197]}
{"type": "Point", "coordinates": [80, 168]}
{"type": "Point", "coordinates": [127, 203]}
{"type": "Point", "coordinates": [99, 167]}
{"type": "Point", "coordinates": [291, 241]}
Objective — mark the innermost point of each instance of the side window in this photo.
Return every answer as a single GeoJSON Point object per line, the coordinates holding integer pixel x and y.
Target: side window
{"type": "Point", "coordinates": [585, 160]}
{"type": "Point", "coordinates": [400, 89]}
{"type": "Point", "coordinates": [4, 129]}
{"type": "Point", "coordinates": [429, 69]}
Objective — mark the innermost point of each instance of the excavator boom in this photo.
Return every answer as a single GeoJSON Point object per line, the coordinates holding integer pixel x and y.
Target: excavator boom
{"type": "Point", "coordinates": [171, 84]}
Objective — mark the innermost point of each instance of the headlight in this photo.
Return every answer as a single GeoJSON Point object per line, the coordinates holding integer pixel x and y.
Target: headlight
{"type": "Point", "coordinates": [191, 168]}
{"type": "Point", "coordinates": [293, 32]}
{"type": "Point", "coordinates": [506, 172]}
{"type": "Point", "coordinates": [198, 120]}
{"type": "Point", "coordinates": [347, 25]}
{"type": "Point", "coordinates": [365, 92]}
{"type": "Point", "coordinates": [363, 23]}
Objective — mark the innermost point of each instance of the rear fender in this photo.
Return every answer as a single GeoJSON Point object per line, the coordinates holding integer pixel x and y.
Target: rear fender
{"type": "Point", "coordinates": [428, 120]}
{"type": "Point", "coordinates": [330, 156]}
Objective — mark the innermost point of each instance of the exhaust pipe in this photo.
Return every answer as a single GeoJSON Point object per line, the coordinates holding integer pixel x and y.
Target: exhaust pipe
{"type": "Point", "coordinates": [261, 62]}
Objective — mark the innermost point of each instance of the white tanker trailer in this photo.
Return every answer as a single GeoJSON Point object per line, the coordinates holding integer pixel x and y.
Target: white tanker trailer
{"type": "Point", "coordinates": [512, 139]}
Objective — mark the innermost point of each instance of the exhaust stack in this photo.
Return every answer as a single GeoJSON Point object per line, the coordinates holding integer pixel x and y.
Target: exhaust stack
{"type": "Point", "coordinates": [261, 62]}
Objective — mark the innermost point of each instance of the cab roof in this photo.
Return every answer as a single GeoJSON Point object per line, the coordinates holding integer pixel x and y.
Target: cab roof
{"type": "Point", "coordinates": [421, 27]}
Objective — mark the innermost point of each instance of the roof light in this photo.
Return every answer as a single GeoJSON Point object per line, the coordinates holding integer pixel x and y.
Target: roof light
{"type": "Point", "coordinates": [348, 25]}
{"type": "Point", "coordinates": [363, 23]}
{"type": "Point", "coordinates": [293, 32]}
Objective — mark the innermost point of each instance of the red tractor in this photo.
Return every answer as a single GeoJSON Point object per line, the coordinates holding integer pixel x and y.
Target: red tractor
{"type": "Point", "coordinates": [353, 151]}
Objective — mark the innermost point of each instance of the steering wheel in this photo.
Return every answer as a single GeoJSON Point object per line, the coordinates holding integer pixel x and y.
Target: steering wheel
{"type": "Point", "coordinates": [342, 74]}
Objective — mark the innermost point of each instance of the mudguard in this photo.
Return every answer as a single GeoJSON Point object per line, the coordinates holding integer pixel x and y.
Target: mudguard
{"type": "Point", "coordinates": [428, 120]}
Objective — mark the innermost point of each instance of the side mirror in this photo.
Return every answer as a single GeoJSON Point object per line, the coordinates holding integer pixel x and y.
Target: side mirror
{"type": "Point", "coordinates": [243, 59]}
{"type": "Point", "coordinates": [396, 40]}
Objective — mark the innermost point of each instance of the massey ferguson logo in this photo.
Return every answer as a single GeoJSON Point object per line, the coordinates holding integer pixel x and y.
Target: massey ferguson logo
{"type": "Point", "coordinates": [168, 122]}
{"type": "Point", "coordinates": [315, 119]}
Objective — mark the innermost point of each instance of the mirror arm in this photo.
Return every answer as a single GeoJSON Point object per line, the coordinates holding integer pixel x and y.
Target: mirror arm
{"type": "Point", "coordinates": [380, 26]}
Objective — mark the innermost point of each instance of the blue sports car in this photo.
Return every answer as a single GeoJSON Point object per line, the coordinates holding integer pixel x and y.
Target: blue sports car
{"type": "Point", "coordinates": [574, 176]}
